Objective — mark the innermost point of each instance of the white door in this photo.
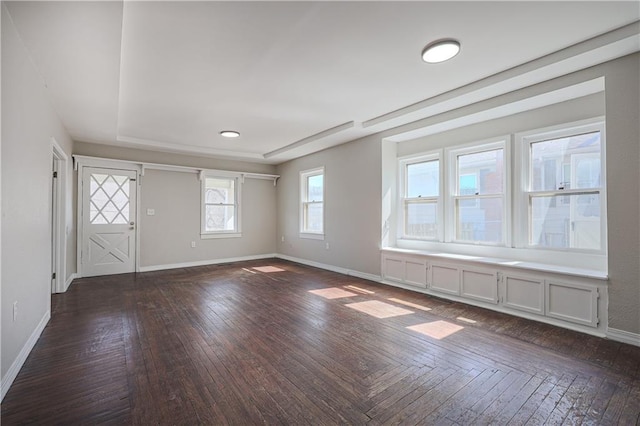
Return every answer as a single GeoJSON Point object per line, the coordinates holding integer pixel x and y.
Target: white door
{"type": "Point", "coordinates": [108, 221]}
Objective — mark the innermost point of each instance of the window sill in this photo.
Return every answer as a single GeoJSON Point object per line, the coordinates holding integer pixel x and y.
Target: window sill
{"type": "Point", "coordinates": [221, 235]}
{"type": "Point", "coordinates": [311, 236]}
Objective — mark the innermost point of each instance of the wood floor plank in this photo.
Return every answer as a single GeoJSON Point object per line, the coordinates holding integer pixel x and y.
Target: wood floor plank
{"type": "Point", "coordinates": [233, 345]}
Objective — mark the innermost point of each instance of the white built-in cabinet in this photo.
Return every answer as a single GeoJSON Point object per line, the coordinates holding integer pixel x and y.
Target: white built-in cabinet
{"type": "Point", "coordinates": [563, 299]}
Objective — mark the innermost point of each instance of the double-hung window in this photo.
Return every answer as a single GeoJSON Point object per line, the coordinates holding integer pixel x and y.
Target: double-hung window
{"type": "Point", "coordinates": [220, 207]}
{"type": "Point", "coordinates": [420, 197]}
{"type": "Point", "coordinates": [479, 202]}
{"type": "Point", "coordinates": [312, 203]}
{"type": "Point", "coordinates": [564, 183]}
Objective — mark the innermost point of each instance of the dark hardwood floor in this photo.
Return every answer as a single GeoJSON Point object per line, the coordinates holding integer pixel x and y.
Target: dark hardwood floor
{"type": "Point", "coordinates": [232, 344]}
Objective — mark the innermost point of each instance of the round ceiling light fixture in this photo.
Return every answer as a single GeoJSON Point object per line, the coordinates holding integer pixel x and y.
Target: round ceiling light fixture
{"type": "Point", "coordinates": [229, 133]}
{"type": "Point", "coordinates": [440, 50]}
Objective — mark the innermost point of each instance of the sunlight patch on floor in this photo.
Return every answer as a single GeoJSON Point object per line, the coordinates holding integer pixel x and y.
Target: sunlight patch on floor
{"type": "Point", "coordinates": [437, 329]}
{"type": "Point", "coordinates": [379, 309]}
{"type": "Point", "coordinates": [413, 305]}
{"type": "Point", "coordinates": [332, 293]}
{"type": "Point", "coordinates": [249, 270]}
{"type": "Point", "coordinates": [463, 319]}
{"type": "Point", "coordinates": [359, 290]}
{"type": "Point", "coordinates": [268, 269]}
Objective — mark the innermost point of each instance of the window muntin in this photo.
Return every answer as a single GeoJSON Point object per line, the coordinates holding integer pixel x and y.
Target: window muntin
{"type": "Point", "coordinates": [479, 188]}
{"type": "Point", "coordinates": [108, 199]}
{"type": "Point", "coordinates": [565, 183]}
{"type": "Point", "coordinates": [312, 201]}
{"type": "Point", "coordinates": [220, 206]}
{"type": "Point", "coordinates": [421, 198]}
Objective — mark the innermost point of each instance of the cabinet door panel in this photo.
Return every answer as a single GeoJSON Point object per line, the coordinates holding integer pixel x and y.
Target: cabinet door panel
{"type": "Point", "coordinates": [572, 302]}
{"type": "Point", "coordinates": [416, 272]}
{"type": "Point", "coordinates": [480, 285]}
{"type": "Point", "coordinates": [524, 293]}
{"type": "Point", "coordinates": [445, 278]}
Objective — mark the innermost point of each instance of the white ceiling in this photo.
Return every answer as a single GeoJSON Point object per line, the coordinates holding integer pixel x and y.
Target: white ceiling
{"type": "Point", "coordinates": [294, 77]}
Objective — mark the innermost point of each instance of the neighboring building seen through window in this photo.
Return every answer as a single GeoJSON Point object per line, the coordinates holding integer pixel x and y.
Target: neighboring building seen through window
{"type": "Point", "coordinates": [479, 197]}
{"type": "Point", "coordinates": [565, 184]}
{"type": "Point", "coordinates": [421, 199]}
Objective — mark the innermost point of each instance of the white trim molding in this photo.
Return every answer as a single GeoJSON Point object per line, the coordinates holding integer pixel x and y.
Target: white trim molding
{"type": "Point", "coordinates": [69, 280]}
{"type": "Point", "coordinates": [17, 364]}
{"type": "Point", "coordinates": [623, 336]}
{"type": "Point", "coordinates": [142, 166]}
{"type": "Point", "coordinates": [206, 262]}
{"type": "Point", "coordinates": [339, 270]}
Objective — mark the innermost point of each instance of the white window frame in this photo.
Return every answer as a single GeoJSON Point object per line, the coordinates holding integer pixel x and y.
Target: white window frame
{"type": "Point", "coordinates": [452, 191]}
{"type": "Point", "coordinates": [524, 141]}
{"type": "Point", "coordinates": [304, 190]}
{"type": "Point", "coordinates": [235, 233]}
{"type": "Point", "coordinates": [403, 163]}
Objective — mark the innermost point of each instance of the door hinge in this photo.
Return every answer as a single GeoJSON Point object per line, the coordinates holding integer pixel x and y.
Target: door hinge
{"type": "Point", "coordinates": [53, 276]}
{"type": "Point", "coordinates": [55, 175]}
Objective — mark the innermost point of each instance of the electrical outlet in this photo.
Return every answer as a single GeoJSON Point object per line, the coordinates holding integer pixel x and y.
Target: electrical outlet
{"type": "Point", "coordinates": [15, 310]}
{"type": "Point", "coordinates": [193, 244]}
{"type": "Point", "coordinates": [282, 239]}
{"type": "Point", "coordinates": [151, 212]}
{"type": "Point", "coordinates": [326, 246]}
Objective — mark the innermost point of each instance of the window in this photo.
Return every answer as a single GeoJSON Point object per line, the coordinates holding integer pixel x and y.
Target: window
{"type": "Point", "coordinates": [312, 203]}
{"type": "Point", "coordinates": [420, 195]}
{"type": "Point", "coordinates": [564, 184]}
{"type": "Point", "coordinates": [220, 207]}
{"type": "Point", "coordinates": [478, 186]}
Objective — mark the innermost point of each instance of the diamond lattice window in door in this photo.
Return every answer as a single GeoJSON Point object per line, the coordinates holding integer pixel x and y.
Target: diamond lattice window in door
{"type": "Point", "coordinates": [108, 199]}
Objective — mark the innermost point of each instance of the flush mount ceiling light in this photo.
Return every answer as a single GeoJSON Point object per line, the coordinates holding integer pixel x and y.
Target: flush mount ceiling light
{"type": "Point", "coordinates": [440, 50]}
{"type": "Point", "coordinates": [229, 134]}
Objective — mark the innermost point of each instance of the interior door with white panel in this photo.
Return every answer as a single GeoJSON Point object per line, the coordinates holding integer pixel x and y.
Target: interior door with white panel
{"type": "Point", "coordinates": [108, 221]}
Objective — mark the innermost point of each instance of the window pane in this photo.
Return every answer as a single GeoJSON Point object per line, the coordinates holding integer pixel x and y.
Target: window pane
{"type": "Point", "coordinates": [220, 191]}
{"type": "Point", "coordinates": [566, 221]}
{"type": "Point", "coordinates": [108, 199]}
{"type": "Point", "coordinates": [314, 188]}
{"type": "Point", "coordinates": [479, 219]}
{"type": "Point", "coordinates": [421, 220]}
{"type": "Point", "coordinates": [481, 173]}
{"type": "Point", "coordinates": [219, 218]}
{"type": "Point", "coordinates": [313, 217]}
{"type": "Point", "coordinates": [566, 163]}
{"type": "Point", "coordinates": [423, 179]}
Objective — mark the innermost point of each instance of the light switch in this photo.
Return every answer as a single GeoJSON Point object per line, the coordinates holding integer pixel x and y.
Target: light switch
{"type": "Point", "coordinates": [151, 212]}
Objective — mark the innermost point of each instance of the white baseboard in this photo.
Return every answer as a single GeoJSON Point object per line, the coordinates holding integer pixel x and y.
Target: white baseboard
{"type": "Point", "coordinates": [205, 262]}
{"type": "Point", "coordinates": [623, 336]}
{"type": "Point", "coordinates": [69, 281]}
{"type": "Point", "coordinates": [17, 364]}
{"type": "Point", "coordinates": [332, 268]}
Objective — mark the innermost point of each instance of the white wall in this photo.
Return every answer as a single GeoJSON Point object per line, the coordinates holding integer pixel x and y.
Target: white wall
{"type": "Point", "coordinates": [165, 237]}
{"type": "Point", "coordinates": [352, 207]}
{"type": "Point", "coordinates": [355, 186]}
{"type": "Point", "coordinates": [28, 123]}
{"type": "Point", "coordinates": [623, 178]}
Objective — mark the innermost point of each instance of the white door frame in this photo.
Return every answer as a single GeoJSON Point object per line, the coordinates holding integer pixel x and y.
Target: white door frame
{"type": "Point", "coordinates": [59, 225]}
{"type": "Point", "coordinates": [79, 165]}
